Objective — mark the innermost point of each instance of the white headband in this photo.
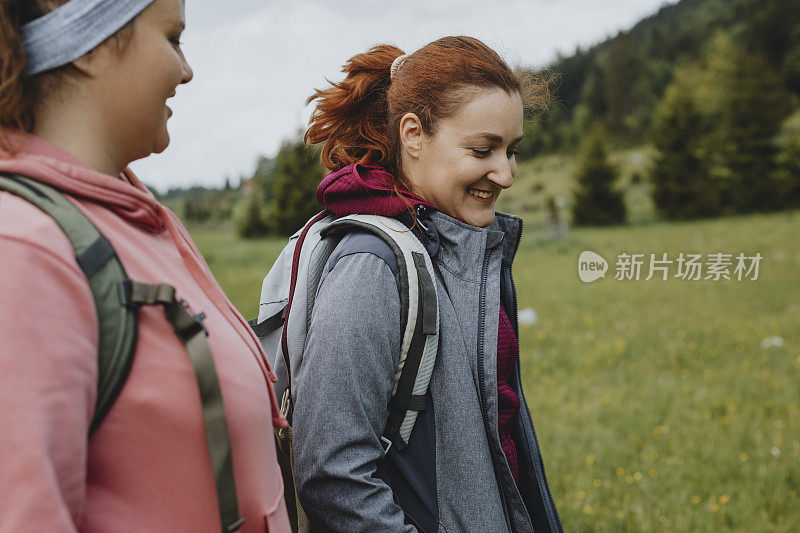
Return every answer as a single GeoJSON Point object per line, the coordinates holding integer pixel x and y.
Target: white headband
{"type": "Point", "coordinates": [66, 33]}
{"type": "Point", "coordinates": [396, 64]}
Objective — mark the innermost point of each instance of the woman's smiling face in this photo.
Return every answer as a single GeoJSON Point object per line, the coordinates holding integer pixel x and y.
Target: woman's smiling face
{"type": "Point", "coordinates": [461, 168]}
{"type": "Point", "coordinates": [132, 87]}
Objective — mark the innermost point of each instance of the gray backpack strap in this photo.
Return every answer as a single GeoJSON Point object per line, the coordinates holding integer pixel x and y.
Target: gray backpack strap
{"type": "Point", "coordinates": [284, 307]}
{"type": "Point", "coordinates": [287, 299]}
{"type": "Point", "coordinates": [419, 303]}
{"type": "Point", "coordinates": [117, 300]}
{"type": "Point", "coordinates": [98, 261]}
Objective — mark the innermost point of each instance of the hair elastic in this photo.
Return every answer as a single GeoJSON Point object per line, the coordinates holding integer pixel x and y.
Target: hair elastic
{"type": "Point", "coordinates": [396, 64]}
{"type": "Point", "coordinates": [73, 29]}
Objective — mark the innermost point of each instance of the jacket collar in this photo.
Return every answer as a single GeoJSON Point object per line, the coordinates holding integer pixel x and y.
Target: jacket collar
{"type": "Point", "coordinates": [452, 242]}
{"type": "Point", "coordinates": [511, 226]}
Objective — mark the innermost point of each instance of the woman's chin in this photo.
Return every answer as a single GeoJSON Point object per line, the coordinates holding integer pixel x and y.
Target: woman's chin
{"type": "Point", "coordinates": [162, 143]}
{"type": "Point", "coordinates": [480, 220]}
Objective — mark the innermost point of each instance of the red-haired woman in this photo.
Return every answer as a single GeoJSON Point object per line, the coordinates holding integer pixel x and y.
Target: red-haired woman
{"type": "Point", "coordinates": [435, 130]}
{"type": "Point", "coordinates": [187, 445]}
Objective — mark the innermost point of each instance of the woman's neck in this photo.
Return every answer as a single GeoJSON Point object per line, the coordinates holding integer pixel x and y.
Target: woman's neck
{"type": "Point", "coordinates": [74, 128]}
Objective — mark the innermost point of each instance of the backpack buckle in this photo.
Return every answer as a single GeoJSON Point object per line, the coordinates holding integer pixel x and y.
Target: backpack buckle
{"type": "Point", "coordinates": [134, 295]}
{"type": "Point", "coordinates": [386, 444]}
{"type": "Point", "coordinates": [192, 325]}
{"type": "Point", "coordinates": [124, 290]}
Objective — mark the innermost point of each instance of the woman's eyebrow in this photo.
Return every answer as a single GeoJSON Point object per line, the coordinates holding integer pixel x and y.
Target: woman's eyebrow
{"type": "Point", "coordinates": [174, 23]}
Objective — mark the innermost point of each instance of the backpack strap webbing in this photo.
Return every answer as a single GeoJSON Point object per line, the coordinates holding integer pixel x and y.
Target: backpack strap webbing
{"type": "Point", "coordinates": [98, 261]}
{"type": "Point", "coordinates": [420, 316]}
{"type": "Point", "coordinates": [412, 384]}
{"type": "Point", "coordinates": [269, 324]}
{"type": "Point", "coordinates": [190, 330]}
{"type": "Point", "coordinates": [292, 285]}
{"type": "Point", "coordinates": [117, 300]}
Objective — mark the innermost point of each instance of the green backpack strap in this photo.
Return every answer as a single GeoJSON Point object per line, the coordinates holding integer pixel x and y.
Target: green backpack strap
{"type": "Point", "coordinates": [190, 330]}
{"type": "Point", "coordinates": [98, 261]}
{"type": "Point", "coordinates": [117, 300]}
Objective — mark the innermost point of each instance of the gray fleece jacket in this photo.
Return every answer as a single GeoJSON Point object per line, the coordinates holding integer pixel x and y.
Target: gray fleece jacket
{"type": "Point", "coordinates": [453, 476]}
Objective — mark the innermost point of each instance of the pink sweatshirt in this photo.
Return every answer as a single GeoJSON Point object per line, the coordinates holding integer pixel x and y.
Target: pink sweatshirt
{"type": "Point", "coordinates": [147, 467]}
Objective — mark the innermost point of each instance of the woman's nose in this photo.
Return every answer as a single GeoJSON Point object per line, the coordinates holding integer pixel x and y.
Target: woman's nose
{"type": "Point", "coordinates": [188, 73]}
{"type": "Point", "coordinates": [503, 173]}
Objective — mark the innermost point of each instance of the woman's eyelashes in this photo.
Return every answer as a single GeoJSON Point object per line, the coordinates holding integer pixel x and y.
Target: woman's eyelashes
{"type": "Point", "coordinates": [481, 152]}
{"type": "Point", "coordinates": [486, 152]}
{"type": "Point", "coordinates": [174, 36]}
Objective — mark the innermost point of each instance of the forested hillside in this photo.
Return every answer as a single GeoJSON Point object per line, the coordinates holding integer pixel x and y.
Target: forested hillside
{"type": "Point", "coordinates": [620, 81]}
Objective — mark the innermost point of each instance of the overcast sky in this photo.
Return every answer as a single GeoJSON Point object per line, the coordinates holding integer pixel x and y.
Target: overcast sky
{"type": "Point", "coordinates": [255, 66]}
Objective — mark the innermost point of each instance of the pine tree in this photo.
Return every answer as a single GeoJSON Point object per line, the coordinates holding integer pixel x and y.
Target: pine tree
{"type": "Point", "coordinates": [625, 86]}
{"type": "Point", "coordinates": [294, 189]}
{"type": "Point", "coordinates": [596, 201]}
{"type": "Point", "coordinates": [682, 187]}
{"type": "Point", "coordinates": [251, 220]}
{"type": "Point", "coordinates": [788, 174]}
{"type": "Point", "coordinates": [747, 104]}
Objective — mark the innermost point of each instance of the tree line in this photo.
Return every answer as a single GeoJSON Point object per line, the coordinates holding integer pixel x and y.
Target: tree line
{"type": "Point", "coordinates": [726, 142]}
{"type": "Point", "coordinates": [710, 84]}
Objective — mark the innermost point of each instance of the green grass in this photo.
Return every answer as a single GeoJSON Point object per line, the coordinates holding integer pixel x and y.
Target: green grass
{"type": "Point", "coordinates": [238, 264]}
{"type": "Point", "coordinates": [553, 174]}
{"type": "Point", "coordinates": [656, 405]}
{"type": "Point", "coordinates": [658, 408]}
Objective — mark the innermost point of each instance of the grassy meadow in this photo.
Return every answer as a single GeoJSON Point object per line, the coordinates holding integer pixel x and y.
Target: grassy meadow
{"type": "Point", "coordinates": [660, 405]}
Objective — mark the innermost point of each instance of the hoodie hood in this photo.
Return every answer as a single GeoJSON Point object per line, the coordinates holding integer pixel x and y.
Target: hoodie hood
{"type": "Point", "coordinates": [44, 162]}
{"type": "Point", "coordinates": [364, 189]}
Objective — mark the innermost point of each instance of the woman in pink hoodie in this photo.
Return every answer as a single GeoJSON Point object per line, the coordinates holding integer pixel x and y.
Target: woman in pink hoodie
{"type": "Point", "coordinates": [83, 90]}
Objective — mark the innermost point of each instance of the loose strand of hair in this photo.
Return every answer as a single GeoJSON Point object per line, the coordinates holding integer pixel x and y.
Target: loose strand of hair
{"type": "Point", "coordinates": [15, 109]}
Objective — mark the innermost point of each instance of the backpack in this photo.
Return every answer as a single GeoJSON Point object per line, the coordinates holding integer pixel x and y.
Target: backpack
{"type": "Point", "coordinates": [117, 299]}
{"type": "Point", "coordinates": [287, 300]}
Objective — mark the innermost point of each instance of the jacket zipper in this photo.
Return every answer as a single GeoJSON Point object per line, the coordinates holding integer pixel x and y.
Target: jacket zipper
{"type": "Point", "coordinates": [522, 392]}
{"type": "Point", "coordinates": [496, 454]}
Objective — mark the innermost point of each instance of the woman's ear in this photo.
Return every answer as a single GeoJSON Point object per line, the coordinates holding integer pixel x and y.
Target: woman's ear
{"type": "Point", "coordinates": [100, 60]}
{"type": "Point", "coordinates": [87, 63]}
{"type": "Point", "coordinates": [90, 63]}
{"type": "Point", "coordinates": [411, 134]}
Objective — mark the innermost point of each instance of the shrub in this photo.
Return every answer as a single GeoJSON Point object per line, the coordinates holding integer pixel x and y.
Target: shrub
{"type": "Point", "coordinates": [596, 201]}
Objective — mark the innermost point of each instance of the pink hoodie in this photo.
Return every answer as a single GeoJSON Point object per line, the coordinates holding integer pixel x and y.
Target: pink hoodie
{"type": "Point", "coordinates": [368, 189]}
{"type": "Point", "coordinates": [147, 467]}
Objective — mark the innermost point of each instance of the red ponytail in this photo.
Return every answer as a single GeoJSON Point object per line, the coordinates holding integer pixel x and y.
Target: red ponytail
{"type": "Point", "coordinates": [350, 116]}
